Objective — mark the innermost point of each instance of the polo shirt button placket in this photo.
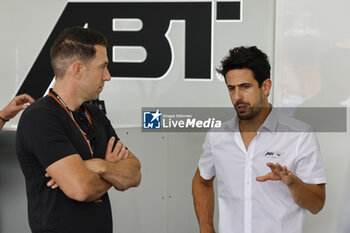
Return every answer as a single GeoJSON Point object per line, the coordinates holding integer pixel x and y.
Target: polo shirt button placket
{"type": "Point", "coordinates": [248, 191]}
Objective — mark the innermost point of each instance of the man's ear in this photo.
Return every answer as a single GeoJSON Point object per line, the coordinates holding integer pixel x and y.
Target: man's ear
{"type": "Point", "coordinates": [77, 68]}
{"type": "Point", "coordinates": [266, 86]}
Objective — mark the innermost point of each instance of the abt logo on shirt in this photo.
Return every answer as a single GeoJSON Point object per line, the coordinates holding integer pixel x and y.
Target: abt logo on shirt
{"type": "Point", "coordinates": [273, 155]}
{"type": "Point", "coordinates": [140, 42]}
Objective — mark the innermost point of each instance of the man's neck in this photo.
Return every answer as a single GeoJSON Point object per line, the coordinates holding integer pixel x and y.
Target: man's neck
{"type": "Point", "coordinates": [69, 96]}
{"type": "Point", "coordinates": [254, 124]}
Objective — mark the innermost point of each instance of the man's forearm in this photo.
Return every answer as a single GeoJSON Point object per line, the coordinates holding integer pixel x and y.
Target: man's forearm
{"type": "Point", "coordinates": [2, 123]}
{"type": "Point", "coordinates": [203, 199]}
{"type": "Point", "coordinates": [122, 174]}
{"type": "Point", "coordinates": [308, 196]}
{"type": "Point", "coordinates": [75, 180]}
{"type": "Point", "coordinates": [97, 187]}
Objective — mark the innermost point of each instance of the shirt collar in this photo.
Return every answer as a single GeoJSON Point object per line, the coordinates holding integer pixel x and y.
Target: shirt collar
{"type": "Point", "coordinates": [235, 124]}
{"type": "Point", "coordinates": [269, 124]}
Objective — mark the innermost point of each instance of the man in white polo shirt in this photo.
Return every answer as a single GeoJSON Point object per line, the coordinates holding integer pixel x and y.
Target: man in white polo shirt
{"type": "Point", "coordinates": [267, 165]}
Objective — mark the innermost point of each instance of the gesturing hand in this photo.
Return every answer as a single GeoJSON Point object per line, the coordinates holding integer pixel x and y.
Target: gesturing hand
{"type": "Point", "coordinates": [277, 173]}
{"type": "Point", "coordinates": [16, 105]}
{"type": "Point", "coordinates": [119, 152]}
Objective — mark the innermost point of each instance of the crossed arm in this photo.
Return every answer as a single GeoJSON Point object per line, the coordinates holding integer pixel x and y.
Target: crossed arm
{"type": "Point", "coordinates": [120, 168]}
{"type": "Point", "coordinates": [88, 180]}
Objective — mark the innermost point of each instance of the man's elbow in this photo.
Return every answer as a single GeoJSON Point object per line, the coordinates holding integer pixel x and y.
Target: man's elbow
{"type": "Point", "coordinates": [83, 198]}
{"type": "Point", "coordinates": [316, 211]}
{"type": "Point", "coordinates": [138, 179]}
{"type": "Point", "coordinates": [318, 208]}
{"type": "Point", "coordinates": [82, 194]}
{"type": "Point", "coordinates": [129, 183]}
{"type": "Point", "coordinates": [77, 196]}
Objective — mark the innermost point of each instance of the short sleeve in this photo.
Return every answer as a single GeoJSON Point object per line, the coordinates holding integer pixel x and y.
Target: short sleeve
{"type": "Point", "coordinates": [42, 133]}
{"type": "Point", "coordinates": [206, 163]}
{"type": "Point", "coordinates": [309, 166]}
{"type": "Point", "coordinates": [110, 131]}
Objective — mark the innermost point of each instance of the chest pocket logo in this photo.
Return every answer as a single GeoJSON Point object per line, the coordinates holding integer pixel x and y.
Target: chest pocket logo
{"type": "Point", "coordinates": [273, 155]}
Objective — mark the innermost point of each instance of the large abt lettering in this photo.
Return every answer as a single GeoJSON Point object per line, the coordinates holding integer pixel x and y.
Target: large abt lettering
{"type": "Point", "coordinates": [146, 40]}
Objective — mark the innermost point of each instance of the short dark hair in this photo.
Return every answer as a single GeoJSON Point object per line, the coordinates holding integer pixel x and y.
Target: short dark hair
{"type": "Point", "coordinates": [250, 58]}
{"type": "Point", "coordinates": [75, 43]}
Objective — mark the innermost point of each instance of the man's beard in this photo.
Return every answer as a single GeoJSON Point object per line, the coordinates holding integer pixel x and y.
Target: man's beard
{"type": "Point", "coordinates": [249, 113]}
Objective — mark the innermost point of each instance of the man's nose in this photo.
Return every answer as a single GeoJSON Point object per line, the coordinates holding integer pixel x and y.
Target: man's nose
{"type": "Point", "coordinates": [237, 95]}
{"type": "Point", "coordinates": [107, 75]}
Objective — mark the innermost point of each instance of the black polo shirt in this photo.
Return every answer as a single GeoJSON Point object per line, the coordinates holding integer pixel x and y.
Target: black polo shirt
{"type": "Point", "coordinates": [46, 134]}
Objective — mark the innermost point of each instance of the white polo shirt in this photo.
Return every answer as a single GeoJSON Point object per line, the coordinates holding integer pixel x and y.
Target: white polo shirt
{"type": "Point", "coordinates": [249, 206]}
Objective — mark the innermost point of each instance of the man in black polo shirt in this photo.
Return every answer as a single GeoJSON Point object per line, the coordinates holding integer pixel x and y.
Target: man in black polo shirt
{"type": "Point", "coordinates": [66, 143]}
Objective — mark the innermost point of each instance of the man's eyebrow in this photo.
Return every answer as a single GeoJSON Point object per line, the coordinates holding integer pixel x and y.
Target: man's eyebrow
{"type": "Point", "coordinates": [241, 84]}
{"type": "Point", "coordinates": [244, 84]}
{"type": "Point", "coordinates": [104, 63]}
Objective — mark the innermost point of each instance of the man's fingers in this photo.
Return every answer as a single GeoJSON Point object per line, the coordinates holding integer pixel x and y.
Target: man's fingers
{"type": "Point", "coordinates": [278, 172]}
{"type": "Point", "coordinates": [279, 167]}
{"type": "Point", "coordinates": [11, 110]}
{"type": "Point", "coordinates": [262, 178]}
{"type": "Point", "coordinates": [29, 99]}
{"type": "Point", "coordinates": [118, 152]}
{"type": "Point", "coordinates": [276, 168]}
{"type": "Point", "coordinates": [121, 153]}
{"type": "Point", "coordinates": [55, 186]}
{"type": "Point", "coordinates": [22, 99]}
{"type": "Point", "coordinates": [123, 150]}
{"type": "Point", "coordinates": [290, 177]}
{"type": "Point", "coordinates": [285, 170]}
{"type": "Point", "coordinates": [271, 166]}
{"type": "Point", "coordinates": [118, 147]}
{"type": "Point", "coordinates": [110, 145]}
{"type": "Point", "coordinates": [281, 171]}
{"type": "Point", "coordinates": [126, 154]}
{"type": "Point", "coordinates": [50, 183]}
{"type": "Point", "coordinates": [18, 108]}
